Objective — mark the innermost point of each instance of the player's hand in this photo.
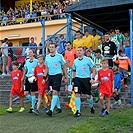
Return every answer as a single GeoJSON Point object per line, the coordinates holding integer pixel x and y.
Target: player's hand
{"type": "Point", "coordinates": [92, 81]}
{"type": "Point", "coordinates": [43, 81]}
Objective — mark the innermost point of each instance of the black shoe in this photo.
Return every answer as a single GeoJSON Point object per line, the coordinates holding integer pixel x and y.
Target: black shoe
{"type": "Point", "coordinates": [58, 111]}
{"type": "Point", "coordinates": [49, 112]}
{"type": "Point", "coordinates": [92, 110]}
{"type": "Point", "coordinates": [31, 110]}
{"type": "Point", "coordinates": [77, 114]}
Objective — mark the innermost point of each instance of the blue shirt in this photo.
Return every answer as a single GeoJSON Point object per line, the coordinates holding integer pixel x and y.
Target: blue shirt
{"type": "Point", "coordinates": [117, 80]}
{"type": "Point", "coordinates": [127, 51]}
{"type": "Point", "coordinates": [29, 66]}
{"type": "Point", "coordinates": [62, 47]}
{"type": "Point", "coordinates": [54, 64]}
{"type": "Point", "coordinates": [82, 67]}
{"type": "Point", "coordinates": [32, 44]}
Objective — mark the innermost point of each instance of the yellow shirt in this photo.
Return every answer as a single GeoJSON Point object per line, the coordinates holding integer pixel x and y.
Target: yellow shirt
{"type": "Point", "coordinates": [96, 41]}
{"type": "Point", "coordinates": [88, 41]}
{"type": "Point", "coordinates": [77, 43]}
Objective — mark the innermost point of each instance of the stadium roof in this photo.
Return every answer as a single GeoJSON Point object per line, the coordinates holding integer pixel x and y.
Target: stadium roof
{"type": "Point", "coordinates": [106, 13]}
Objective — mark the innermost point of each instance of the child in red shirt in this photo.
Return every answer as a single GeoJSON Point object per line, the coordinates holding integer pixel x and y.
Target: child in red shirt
{"type": "Point", "coordinates": [41, 74]}
{"type": "Point", "coordinates": [17, 86]}
{"type": "Point", "coordinates": [106, 87]}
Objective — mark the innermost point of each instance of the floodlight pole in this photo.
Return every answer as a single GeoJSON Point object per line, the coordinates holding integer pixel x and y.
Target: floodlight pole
{"type": "Point", "coordinates": [69, 27]}
{"type": "Point", "coordinates": [43, 35]}
{"type": "Point", "coordinates": [131, 51]}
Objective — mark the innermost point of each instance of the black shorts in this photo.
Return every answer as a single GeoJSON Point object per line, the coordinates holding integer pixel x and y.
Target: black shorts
{"type": "Point", "coordinates": [110, 63]}
{"type": "Point", "coordinates": [31, 87]}
{"type": "Point", "coordinates": [83, 85]}
{"type": "Point", "coordinates": [55, 81]}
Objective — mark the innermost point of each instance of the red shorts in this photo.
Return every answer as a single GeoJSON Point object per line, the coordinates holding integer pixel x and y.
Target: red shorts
{"type": "Point", "coordinates": [101, 94]}
{"type": "Point", "coordinates": [17, 92]}
{"type": "Point", "coordinates": [41, 90]}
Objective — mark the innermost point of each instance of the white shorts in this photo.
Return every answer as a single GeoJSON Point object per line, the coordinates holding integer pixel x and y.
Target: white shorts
{"type": "Point", "coordinates": [69, 87]}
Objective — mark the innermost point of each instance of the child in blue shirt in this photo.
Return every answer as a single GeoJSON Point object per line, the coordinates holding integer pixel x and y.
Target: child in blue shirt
{"type": "Point", "coordinates": [118, 78]}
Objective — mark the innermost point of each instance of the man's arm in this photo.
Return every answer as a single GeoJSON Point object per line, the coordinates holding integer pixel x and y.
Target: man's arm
{"type": "Point", "coordinates": [93, 71]}
{"type": "Point", "coordinates": [24, 73]}
{"type": "Point", "coordinates": [65, 70]}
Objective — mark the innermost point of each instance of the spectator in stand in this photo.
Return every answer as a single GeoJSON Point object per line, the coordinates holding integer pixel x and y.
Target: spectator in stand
{"type": "Point", "coordinates": [79, 41]}
{"type": "Point", "coordinates": [32, 43]}
{"type": "Point", "coordinates": [88, 40]}
{"type": "Point", "coordinates": [4, 51]}
{"type": "Point", "coordinates": [96, 39]}
{"type": "Point", "coordinates": [62, 43]}
{"type": "Point", "coordinates": [57, 42]}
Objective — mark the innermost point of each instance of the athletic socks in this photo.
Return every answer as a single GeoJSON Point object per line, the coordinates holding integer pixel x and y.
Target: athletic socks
{"type": "Point", "coordinates": [117, 97]}
{"type": "Point", "coordinates": [54, 102]}
{"type": "Point", "coordinates": [29, 97]}
{"type": "Point", "coordinates": [78, 103]}
{"type": "Point", "coordinates": [96, 92]}
{"type": "Point", "coordinates": [33, 101]}
{"type": "Point", "coordinates": [90, 101]}
{"type": "Point", "coordinates": [58, 103]}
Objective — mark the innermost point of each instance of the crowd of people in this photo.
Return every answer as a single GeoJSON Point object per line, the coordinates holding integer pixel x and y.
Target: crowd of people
{"type": "Point", "coordinates": [90, 63]}
{"type": "Point", "coordinates": [22, 14]}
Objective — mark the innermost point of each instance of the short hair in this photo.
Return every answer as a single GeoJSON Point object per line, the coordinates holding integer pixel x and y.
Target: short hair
{"type": "Point", "coordinates": [98, 51]}
{"type": "Point", "coordinates": [104, 60]}
{"type": "Point", "coordinates": [120, 52]}
{"type": "Point", "coordinates": [78, 31]}
{"type": "Point", "coordinates": [15, 63]}
{"type": "Point", "coordinates": [86, 30]}
{"type": "Point", "coordinates": [33, 50]}
{"type": "Point", "coordinates": [69, 42]}
{"type": "Point", "coordinates": [94, 30]}
{"type": "Point", "coordinates": [112, 31]}
{"type": "Point", "coordinates": [53, 44]}
{"type": "Point", "coordinates": [41, 56]}
{"type": "Point", "coordinates": [5, 39]}
{"type": "Point", "coordinates": [10, 44]}
{"type": "Point", "coordinates": [107, 33]}
{"type": "Point", "coordinates": [115, 68]}
{"type": "Point", "coordinates": [32, 38]}
{"type": "Point", "coordinates": [81, 47]}
{"type": "Point", "coordinates": [117, 28]}
{"type": "Point", "coordinates": [61, 35]}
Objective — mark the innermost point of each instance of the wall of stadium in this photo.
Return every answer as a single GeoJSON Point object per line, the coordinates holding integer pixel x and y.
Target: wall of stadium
{"type": "Point", "coordinates": [22, 32]}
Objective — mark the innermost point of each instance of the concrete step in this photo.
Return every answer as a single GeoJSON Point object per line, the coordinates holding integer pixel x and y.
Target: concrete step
{"type": "Point", "coordinates": [5, 87]}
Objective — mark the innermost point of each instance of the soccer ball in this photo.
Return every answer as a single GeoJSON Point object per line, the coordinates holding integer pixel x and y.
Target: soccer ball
{"type": "Point", "coordinates": [31, 79]}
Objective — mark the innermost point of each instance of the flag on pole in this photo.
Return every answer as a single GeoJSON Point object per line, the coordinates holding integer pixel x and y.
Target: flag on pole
{"type": "Point", "coordinates": [72, 103]}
